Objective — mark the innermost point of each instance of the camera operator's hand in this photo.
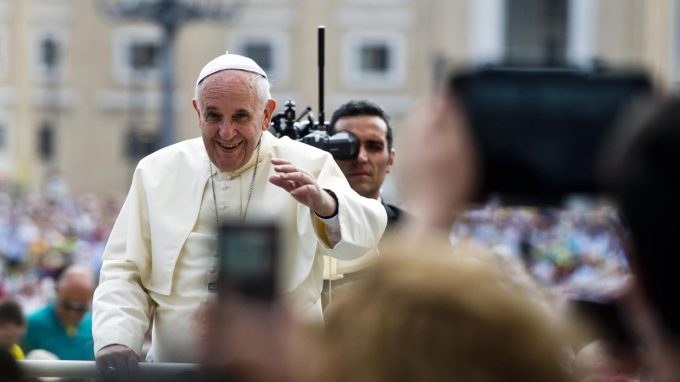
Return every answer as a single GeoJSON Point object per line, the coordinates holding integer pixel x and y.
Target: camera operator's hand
{"type": "Point", "coordinates": [303, 187]}
{"type": "Point", "coordinates": [439, 172]}
{"type": "Point", "coordinates": [117, 362]}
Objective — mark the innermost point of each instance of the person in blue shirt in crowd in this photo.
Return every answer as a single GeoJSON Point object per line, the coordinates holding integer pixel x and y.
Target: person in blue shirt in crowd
{"type": "Point", "coordinates": [64, 326]}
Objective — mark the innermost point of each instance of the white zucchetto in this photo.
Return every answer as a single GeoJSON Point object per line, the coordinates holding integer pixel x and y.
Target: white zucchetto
{"type": "Point", "coordinates": [229, 61]}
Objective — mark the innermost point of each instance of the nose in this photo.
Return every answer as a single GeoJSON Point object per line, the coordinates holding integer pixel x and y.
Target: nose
{"type": "Point", "coordinates": [362, 155]}
{"type": "Point", "coordinates": [227, 131]}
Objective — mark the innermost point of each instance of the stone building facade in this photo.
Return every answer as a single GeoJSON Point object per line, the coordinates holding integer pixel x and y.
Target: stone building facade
{"type": "Point", "coordinates": [75, 86]}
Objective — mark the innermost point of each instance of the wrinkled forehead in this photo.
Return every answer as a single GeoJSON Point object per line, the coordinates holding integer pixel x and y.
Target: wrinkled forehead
{"type": "Point", "coordinates": [233, 86]}
{"type": "Point", "coordinates": [229, 78]}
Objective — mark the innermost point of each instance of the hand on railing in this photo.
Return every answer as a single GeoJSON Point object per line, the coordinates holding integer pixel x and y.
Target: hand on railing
{"type": "Point", "coordinates": [117, 361]}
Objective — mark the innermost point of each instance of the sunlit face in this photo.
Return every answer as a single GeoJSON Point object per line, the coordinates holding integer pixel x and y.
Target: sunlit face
{"type": "Point", "coordinates": [231, 117]}
{"type": "Point", "coordinates": [367, 171]}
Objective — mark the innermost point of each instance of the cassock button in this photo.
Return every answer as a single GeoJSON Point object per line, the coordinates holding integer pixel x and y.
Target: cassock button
{"type": "Point", "coordinates": [223, 206]}
{"type": "Point", "coordinates": [224, 186]}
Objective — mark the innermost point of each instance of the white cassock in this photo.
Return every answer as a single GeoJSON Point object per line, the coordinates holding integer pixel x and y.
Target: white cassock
{"type": "Point", "coordinates": [161, 251]}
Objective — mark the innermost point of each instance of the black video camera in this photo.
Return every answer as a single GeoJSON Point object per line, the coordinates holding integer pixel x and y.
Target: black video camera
{"type": "Point", "coordinates": [539, 130]}
{"type": "Point", "coordinates": [343, 145]}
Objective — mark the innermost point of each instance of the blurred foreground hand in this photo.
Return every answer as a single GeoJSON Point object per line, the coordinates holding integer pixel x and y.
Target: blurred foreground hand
{"type": "Point", "coordinates": [251, 341]}
{"type": "Point", "coordinates": [440, 169]}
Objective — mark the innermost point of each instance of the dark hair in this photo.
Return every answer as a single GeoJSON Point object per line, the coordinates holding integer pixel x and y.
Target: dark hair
{"type": "Point", "coordinates": [644, 177]}
{"type": "Point", "coordinates": [363, 107]}
{"type": "Point", "coordinates": [10, 312]}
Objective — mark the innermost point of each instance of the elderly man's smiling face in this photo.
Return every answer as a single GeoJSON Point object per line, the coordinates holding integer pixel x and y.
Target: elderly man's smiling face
{"type": "Point", "coordinates": [231, 117]}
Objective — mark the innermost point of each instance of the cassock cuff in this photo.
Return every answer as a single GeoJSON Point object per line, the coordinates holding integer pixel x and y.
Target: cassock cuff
{"type": "Point", "coordinates": [332, 229]}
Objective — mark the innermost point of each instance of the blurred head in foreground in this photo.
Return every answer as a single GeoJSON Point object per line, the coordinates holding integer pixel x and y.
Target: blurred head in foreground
{"type": "Point", "coordinates": [642, 169]}
{"type": "Point", "coordinates": [441, 318]}
{"type": "Point", "coordinates": [644, 172]}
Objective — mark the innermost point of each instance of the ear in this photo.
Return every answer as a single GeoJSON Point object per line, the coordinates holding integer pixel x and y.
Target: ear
{"type": "Point", "coordinates": [268, 113]}
{"type": "Point", "coordinates": [390, 161]}
{"type": "Point", "coordinates": [198, 112]}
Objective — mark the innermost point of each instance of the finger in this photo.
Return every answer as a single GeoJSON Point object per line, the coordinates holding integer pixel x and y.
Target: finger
{"type": "Point", "coordinates": [119, 369]}
{"type": "Point", "coordinates": [107, 366]}
{"type": "Point", "coordinates": [286, 184]}
{"type": "Point", "coordinates": [103, 367]}
{"type": "Point", "coordinates": [303, 192]}
{"type": "Point", "coordinates": [133, 364]}
{"type": "Point", "coordinates": [101, 363]}
{"type": "Point", "coordinates": [300, 178]}
{"type": "Point", "coordinates": [110, 372]}
{"type": "Point", "coordinates": [290, 185]}
{"type": "Point", "coordinates": [279, 161]}
{"type": "Point", "coordinates": [286, 168]}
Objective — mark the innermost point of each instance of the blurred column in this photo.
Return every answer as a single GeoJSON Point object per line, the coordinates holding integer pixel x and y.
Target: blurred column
{"type": "Point", "coordinates": [487, 28]}
{"type": "Point", "coordinates": [581, 32]}
{"type": "Point", "coordinates": [170, 16]}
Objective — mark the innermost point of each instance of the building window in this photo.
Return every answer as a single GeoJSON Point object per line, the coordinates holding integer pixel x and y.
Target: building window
{"type": "Point", "coordinates": [137, 54]}
{"type": "Point", "coordinates": [536, 32]}
{"type": "Point", "coordinates": [49, 54]}
{"type": "Point", "coordinates": [374, 60]}
{"type": "Point", "coordinates": [46, 144]}
{"type": "Point", "coordinates": [260, 52]}
{"type": "Point", "coordinates": [268, 48]}
{"type": "Point", "coordinates": [144, 56]}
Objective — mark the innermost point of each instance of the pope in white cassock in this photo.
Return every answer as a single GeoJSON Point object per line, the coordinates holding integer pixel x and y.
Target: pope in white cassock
{"type": "Point", "coordinates": [161, 252]}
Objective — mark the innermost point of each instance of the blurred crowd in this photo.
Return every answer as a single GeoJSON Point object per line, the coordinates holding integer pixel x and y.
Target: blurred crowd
{"type": "Point", "coordinates": [569, 251]}
{"type": "Point", "coordinates": [41, 235]}
{"type": "Point", "coordinates": [573, 251]}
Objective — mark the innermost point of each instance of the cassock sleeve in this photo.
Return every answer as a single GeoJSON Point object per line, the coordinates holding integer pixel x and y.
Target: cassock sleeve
{"type": "Point", "coordinates": [121, 306]}
{"type": "Point", "coordinates": [362, 220]}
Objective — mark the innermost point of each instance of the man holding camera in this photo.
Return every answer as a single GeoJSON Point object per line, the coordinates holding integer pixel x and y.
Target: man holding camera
{"type": "Point", "coordinates": [162, 250]}
{"type": "Point", "coordinates": [367, 170]}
